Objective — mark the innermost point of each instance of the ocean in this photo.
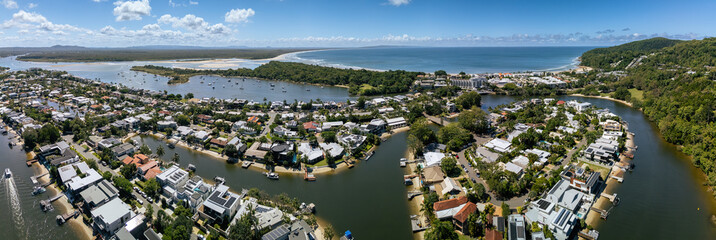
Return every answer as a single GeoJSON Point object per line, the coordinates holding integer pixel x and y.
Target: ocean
{"type": "Point", "coordinates": [450, 59]}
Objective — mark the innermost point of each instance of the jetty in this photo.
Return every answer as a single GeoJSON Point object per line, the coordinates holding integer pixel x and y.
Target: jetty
{"type": "Point", "coordinates": [436, 120]}
{"type": "Point", "coordinates": [34, 178]}
{"type": "Point", "coordinates": [413, 194]}
{"type": "Point", "coordinates": [29, 163]}
{"type": "Point", "coordinates": [246, 164]}
{"type": "Point", "coordinates": [46, 205]}
{"type": "Point", "coordinates": [416, 225]}
{"type": "Point", "coordinates": [309, 176]}
{"type": "Point", "coordinates": [61, 219]}
{"type": "Point", "coordinates": [612, 198]}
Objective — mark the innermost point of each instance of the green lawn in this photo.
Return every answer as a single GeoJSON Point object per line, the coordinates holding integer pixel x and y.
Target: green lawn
{"type": "Point", "coordinates": [603, 171]}
{"type": "Point", "coordinates": [638, 94]}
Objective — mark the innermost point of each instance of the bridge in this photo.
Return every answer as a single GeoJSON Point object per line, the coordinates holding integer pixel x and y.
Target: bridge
{"type": "Point", "coordinates": [436, 120]}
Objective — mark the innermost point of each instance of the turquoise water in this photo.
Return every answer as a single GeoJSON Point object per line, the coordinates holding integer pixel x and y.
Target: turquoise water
{"type": "Point", "coordinates": [450, 59]}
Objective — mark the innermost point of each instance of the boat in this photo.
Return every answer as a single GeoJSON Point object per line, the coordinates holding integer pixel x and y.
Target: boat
{"type": "Point", "coordinates": [308, 90]}
{"type": "Point", "coordinates": [246, 164]}
{"type": "Point", "coordinates": [8, 173]}
{"type": "Point", "coordinates": [191, 167]}
{"type": "Point", "coordinates": [272, 175]}
{"type": "Point", "coordinates": [284, 91]}
{"type": "Point", "coordinates": [219, 180]}
{"type": "Point", "coordinates": [272, 85]}
{"type": "Point", "coordinates": [38, 190]}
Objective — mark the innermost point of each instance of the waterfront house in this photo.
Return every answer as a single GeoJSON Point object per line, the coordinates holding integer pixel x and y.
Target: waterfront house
{"type": "Point", "coordinates": [79, 183]}
{"type": "Point", "coordinates": [221, 203]}
{"type": "Point", "coordinates": [311, 153]}
{"type": "Point", "coordinates": [111, 216]}
{"type": "Point", "coordinates": [267, 217]}
{"type": "Point", "coordinates": [122, 149]}
{"type": "Point", "coordinates": [172, 177]}
{"type": "Point", "coordinates": [433, 174]}
{"type": "Point", "coordinates": [194, 191]}
{"type": "Point", "coordinates": [456, 209]}
{"type": "Point", "coordinates": [449, 186]}
{"type": "Point", "coordinates": [98, 194]}
{"type": "Point", "coordinates": [352, 141]}
{"type": "Point", "coordinates": [433, 158]}
{"type": "Point", "coordinates": [162, 125]}
{"type": "Point", "coordinates": [332, 149]}
{"type": "Point", "coordinates": [611, 125]}
{"type": "Point", "coordinates": [398, 122]}
{"type": "Point", "coordinates": [201, 136]}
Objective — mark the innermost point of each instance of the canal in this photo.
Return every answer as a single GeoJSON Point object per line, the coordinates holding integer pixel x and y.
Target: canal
{"type": "Point", "coordinates": [663, 198]}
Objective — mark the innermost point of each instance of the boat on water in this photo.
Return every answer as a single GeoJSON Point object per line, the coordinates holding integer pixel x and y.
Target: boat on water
{"type": "Point", "coordinates": [246, 164]}
{"type": "Point", "coordinates": [8, 173]}
{"type": "Point", "coordinates": [272, 175]}
{"type": "Point", "coordinates": [38, 190]}
{"type": "Point", "coordinates": [219, 180]}
{"type": "Point", "coordinates": [308, 90]}
{"type": "Point", "coordinates": [272, 85]}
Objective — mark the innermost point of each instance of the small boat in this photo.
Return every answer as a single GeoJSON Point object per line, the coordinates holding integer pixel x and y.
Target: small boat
{"type": "Point", "coordinates": [272, 85]}
{"type": "Point", "coordinates": [213, 87]}
{"type": "Point", "coordinates": [38, 190]}
{"type": "Point", "coordinates": [272, 175]}
{"type": "Point", "coordinates": [8, 173]}
{"type": "Point", "coordinates": [308, 90]}
{"type": "Point", "coordinates": [246, 164]}
{"type": "Point", "coordinates": [283, 91]}
{"type": "Point", "coordinates": [219, 180]}
{"type": "Point", "coordinates": [191, 167]}
{"type": "Point", "coordinates": [321, 86]}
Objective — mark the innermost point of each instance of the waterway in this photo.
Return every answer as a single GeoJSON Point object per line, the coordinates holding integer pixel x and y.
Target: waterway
{"type": "Point", "coordinates": [221, 87]}
{"type": "Point", "coordinates": [21, 215]}
{"type": "Point", "coordinates": [663, 198]}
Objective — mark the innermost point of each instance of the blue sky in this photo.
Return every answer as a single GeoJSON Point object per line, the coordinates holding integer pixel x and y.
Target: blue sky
{"type": "Point", "coordinates": [324, 23]}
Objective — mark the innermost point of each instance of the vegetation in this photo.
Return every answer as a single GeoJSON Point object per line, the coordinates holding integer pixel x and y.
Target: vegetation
{"type": "Point", "coordinates": [80, 54]}
{"type": "Point", "coordinates": [677, 91]}
{"type": "Point", "coordinates": [623, 54]}
{"type": "Point", "coordinates": [387, 82]}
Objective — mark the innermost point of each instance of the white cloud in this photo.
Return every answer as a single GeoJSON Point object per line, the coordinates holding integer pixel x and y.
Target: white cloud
{"type": "Point", "coordinates": [238, 15]}
{"type": "Point", "coordinates": [131, 10]}
{"type": "Point", "coordinates": [9, 4]}
{"type": "Point", "coordinates": [25, 21]}
{"type": "Point", "coordinates": [398, 2]}
{"type": "Point", "coordinates": [193, 23]}
{"type": "Point", "coordinates": [31, 5]}
{"type": "Point", "coordinates": [193, 3]}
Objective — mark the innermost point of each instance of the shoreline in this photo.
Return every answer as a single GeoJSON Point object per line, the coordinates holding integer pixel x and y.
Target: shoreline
{"type": "Point", "coordinates": [603, 97]}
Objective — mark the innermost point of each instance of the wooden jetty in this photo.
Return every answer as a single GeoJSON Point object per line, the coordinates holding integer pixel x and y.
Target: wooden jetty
{"type": "Point", "coordinates": [29, 163]}
{"type": "Point", "coordinates": [46, 205]}
{"type": "Point", "coordinates": [34, 178]}
{"type": "Point", "coordinates": [309, 176]}
{"type": "Point", "coordinates": [413, 194]}
{"type": "Point", "coordinates": [61, 219]}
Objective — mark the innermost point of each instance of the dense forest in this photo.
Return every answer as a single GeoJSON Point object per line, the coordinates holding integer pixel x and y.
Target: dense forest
{"type": "Point", "coordinates": [360, 82]}
{"type": "Point", "coordinates": [81, 54]}
{"type": "Point", "coordinates": [679, 95]}
{"type": "Point", "coordinates": [620, 56]}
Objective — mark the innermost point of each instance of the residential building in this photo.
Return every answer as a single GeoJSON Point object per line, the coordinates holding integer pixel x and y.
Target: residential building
{"type": "Point", "coordinates": [111, 216]}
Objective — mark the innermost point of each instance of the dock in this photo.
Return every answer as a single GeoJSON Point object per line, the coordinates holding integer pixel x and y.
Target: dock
{"type": "Point", "coordinates": [309, 176]}
{"type": "Point", "coordinates": [246, 164]}
{"type": "Point", "coordinates": [612, 198]}
{"type": "Point", "coordinates": [61, 219]}
{"type": "Point", "coordinates": [416, 225]}
{"type": "Point", "coordinates": [34, 178]}
{"type": "Point", "coordinates": [46, 205]}
{"type": "Point", "coordinates": [29, 163]}
{"type": "Point", "coordinates": [413, 194]}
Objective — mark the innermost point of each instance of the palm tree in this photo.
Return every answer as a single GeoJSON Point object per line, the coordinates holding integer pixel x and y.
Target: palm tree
{"type": "Point", "coordinates": [160, 151]}
{"type": "Point", "coordinates": [175, 158]}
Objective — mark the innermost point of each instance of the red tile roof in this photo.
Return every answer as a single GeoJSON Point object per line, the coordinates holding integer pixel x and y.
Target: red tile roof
{"type": "Point", "coordinates": [466, 210]}
{"type": "Point", "coordinates": [450, 203]}
{"type": "Point", "coordinates": [149, 165]}
{"type": "Point", "coordinates": [141, 157]}
{"type": "Point", "coordinates": [129, 160]}
{"type": "Point", "coordinates": [310, 125]}
{"type": "Point", "coordinates": [560, 102]}
{"type": "Point", "coordinates": [492, 234]}
{"type": "Point", "coordinates": [152, 172]}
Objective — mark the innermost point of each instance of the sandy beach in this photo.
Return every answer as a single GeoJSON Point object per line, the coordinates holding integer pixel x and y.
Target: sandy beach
{"type": "Point", "coordinates": [602, 97]}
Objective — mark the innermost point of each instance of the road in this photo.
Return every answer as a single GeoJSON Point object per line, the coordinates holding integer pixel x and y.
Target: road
{"type": "Point", "coordinates": [267, 126]}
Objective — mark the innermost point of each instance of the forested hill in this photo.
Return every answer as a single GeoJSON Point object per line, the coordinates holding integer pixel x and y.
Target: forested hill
{"type": "Point", "coordinates": [618, 57]}
{"type": "Point", "coordinates": [679, 94]}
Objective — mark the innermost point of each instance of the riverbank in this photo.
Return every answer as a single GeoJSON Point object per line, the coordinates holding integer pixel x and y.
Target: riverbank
{"type": "Point", "coordinates": [603, 97]}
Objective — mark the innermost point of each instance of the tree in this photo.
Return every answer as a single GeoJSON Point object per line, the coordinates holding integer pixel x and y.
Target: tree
{"type": "Point", "coordinates": [361, 103]}
{"type": "Point", "coordinates": [441, 230]}
{"type": "Point", "coordinates": [183, 120]}
{"type": "Point", "coordinates": [415, 145]}
{"type": "Point", "coordinates": [449, 166]}
{"type": "Point", "coordinates": [473, 228]}
{"type": "Point", "coordinates": [454, 137]}
{"type": "Point", "coordinates": [622, 94]}
{"type": "Point", "coordinates": [123, 185]}
{"type": "Point", "coordinates": [469, 99]}
{"type": "Point", "coordinates": [474, 120]}
{"type": "Point", "coordinates": [175, 158]}
{"type": "Point", "coordinates": [144, 149]}
{"type": "Point", "coordinates": [440, 73]}
{"type": "Point", "coordinates": [152, 188]}
{"type": "Point", "coordinates": [150, 212]}
{"type": "Point", "coordinates": [160, 151]}
{"type": "Point", "coordinates": [328, 136]}
{"type": "Point", "coordinates": [128, 170]}
{"type": "Point", "coordinates": [231, 151]}
{"type": "Point", "coordinates": [505, 209]}
{"type": "Point", "coordinates": [328, 232]}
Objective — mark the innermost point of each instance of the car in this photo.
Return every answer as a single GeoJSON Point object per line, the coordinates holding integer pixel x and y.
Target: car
{"type": "Point", "coordinates": [457, 156]}
{"type": "Point", "coordinates": [473, 180]}
{"type": "Point", "coordinates": [150, 200]}
{"type": "Point", "coordinates": [140, 201]}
